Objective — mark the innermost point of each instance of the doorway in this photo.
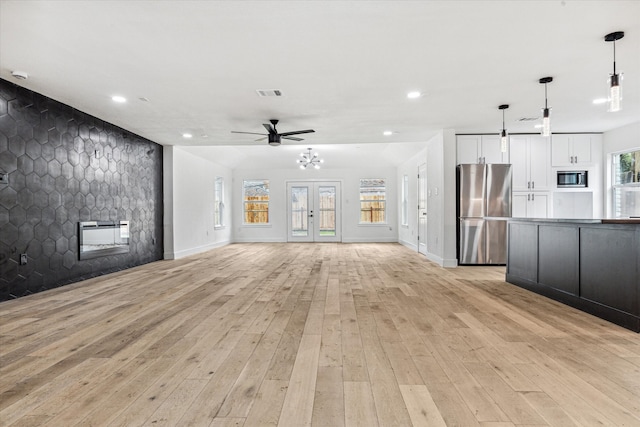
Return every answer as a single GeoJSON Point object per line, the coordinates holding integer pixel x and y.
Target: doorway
{"type": "Point", "coordinates": [313, 212]}
{"type": "Point", "coordinates": [422, 209]}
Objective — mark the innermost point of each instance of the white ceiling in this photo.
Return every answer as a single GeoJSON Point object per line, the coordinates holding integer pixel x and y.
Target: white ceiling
{"type": "Point", "coordinates": [344, 67]}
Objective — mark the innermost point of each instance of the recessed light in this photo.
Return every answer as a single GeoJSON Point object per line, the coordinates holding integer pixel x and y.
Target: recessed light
{"type": "Point", "coordinates": [187, 135]}
{"type": "Point", "coordinates": [414, 95]}
{"type": "Point", "coordinates": [20, 75]}
{"type": "Point", "coordinates": [119, 99]}
{"type": "Point", "coordinates": [600, 101]}
{"type": "Point", "coordinates": [387, 133]}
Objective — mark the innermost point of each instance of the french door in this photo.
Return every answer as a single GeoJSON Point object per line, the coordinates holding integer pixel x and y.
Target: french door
{"type": "Point", "coordinates": [313, 212]}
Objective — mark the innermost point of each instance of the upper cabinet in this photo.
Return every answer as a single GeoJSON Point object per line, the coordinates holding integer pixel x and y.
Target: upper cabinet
{"type": "Point", "coordinates": [574, 150]}
{"type": "Point", "coordinates": [480, 149]}
{"type": "Point", "coordinates": [530, 159]}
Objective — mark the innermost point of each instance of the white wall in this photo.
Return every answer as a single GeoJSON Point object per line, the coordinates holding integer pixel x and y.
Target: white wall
{"type": "Point", "coordinates": [189, 203]}
{"type": "Point", "coordinates": [440, 157]}
{"type": "Point", "coordinates": [441, 198]}
{"type": "Point", "coordinates": [626, 138]}
{"type": "Point", "coordinates": [352, 231]}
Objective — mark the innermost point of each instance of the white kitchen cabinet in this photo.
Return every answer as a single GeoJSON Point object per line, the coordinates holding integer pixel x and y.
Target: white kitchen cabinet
{"type": "Point", "coordinates": [574, 149]}
{"type": "Point", "coordinates": [531, 164]}
{"type": "Point", "coordinates": [530, 204]}
{"type": "Point", "coordinates": [480, 149]}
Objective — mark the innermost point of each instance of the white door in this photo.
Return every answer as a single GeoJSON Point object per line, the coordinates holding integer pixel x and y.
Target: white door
{"type": "Point", "coordinates": [313, 212]}
{"type": "Point", "coordinates": [422, 209]}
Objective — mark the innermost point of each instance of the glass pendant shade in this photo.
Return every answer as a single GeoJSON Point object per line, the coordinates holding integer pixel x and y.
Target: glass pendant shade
{"type": "Point", "coordinates": [503, 141]}
{"type": "Point", "coordinates": [615, 93]}
{"type": "Point", "coordinates": [546, 123]}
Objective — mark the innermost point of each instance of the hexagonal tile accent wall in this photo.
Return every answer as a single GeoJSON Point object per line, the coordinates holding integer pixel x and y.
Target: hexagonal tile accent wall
{"type": "Point", "coordinates": [65, 166]}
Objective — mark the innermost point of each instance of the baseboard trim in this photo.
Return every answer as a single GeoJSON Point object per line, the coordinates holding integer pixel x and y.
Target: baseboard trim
{"type": "Point", "coordinates": [192, 251]}
{"type": "Point", "coordinates": [409, 245]}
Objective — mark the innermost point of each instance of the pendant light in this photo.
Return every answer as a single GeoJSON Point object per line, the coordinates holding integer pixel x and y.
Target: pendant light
{"type": "Point", "coordinates": [503, 134]}
{"type": "Point", "coordinates": [546, 120]}
{"type": "Point", "coordinates": [615, 79]}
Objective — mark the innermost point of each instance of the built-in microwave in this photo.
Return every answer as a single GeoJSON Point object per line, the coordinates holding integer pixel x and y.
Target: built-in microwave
{"type": "Point", "coordinates": [573, 179]}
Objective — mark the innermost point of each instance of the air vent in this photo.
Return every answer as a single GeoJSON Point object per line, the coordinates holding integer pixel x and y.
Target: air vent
{"type": "Point", "coordinates": [528, 119]}
{"type": "Point", "coordinates": [269, 92]}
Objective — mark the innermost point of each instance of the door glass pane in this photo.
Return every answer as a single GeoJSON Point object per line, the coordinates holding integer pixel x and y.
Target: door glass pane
{"type": "Point", "coordinates": [327, 210]}
{"type": "Point", "coordinates": [299, 211]}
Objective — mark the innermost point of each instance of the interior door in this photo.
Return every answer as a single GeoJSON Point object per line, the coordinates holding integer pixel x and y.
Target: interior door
{"type": "Point", "coordinates": [314, 212]}
{"type": "Point", "coordinates": [422, 209]}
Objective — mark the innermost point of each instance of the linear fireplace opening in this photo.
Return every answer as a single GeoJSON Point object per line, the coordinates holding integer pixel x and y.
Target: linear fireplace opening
{"type": "Point", "coordinates": [102, 238]}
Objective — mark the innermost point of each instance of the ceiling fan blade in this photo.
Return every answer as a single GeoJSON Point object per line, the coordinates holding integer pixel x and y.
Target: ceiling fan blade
{"type": "Point", "coordinates": [292, 138]}
{"type": "Point", "coordinates": [297, 132]}
{"type": "Point", "coordinates": [249, 133]}
{"type": "Point", "coordinates": [269, 128]}
{"type": "Point", "coordinates": [261, 139]}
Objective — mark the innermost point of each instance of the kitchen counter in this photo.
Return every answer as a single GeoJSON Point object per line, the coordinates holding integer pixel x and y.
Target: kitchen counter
{"type": "Point", "coordinates": [592, 265]}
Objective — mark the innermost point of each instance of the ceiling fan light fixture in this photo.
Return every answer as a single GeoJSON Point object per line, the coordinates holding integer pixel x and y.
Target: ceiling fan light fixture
{"type": "Point", "coordinates": [615, 79]}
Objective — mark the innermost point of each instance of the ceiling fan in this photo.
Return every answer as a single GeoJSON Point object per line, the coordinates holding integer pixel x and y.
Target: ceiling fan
{"type": "Point", "coordinates": [273, 135]}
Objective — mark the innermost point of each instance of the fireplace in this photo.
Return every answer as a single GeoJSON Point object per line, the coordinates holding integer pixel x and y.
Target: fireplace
{"type": "Point", "coordinates": [102, 238]}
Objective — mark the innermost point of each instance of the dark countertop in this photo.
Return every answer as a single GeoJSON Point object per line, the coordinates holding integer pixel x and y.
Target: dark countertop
{"type": "Point", "coordinates": [556, 220]}
{"type": "Point", "coordinates": [580, 221]}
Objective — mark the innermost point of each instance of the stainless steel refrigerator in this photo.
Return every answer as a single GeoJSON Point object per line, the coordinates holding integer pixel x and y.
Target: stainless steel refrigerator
{"type": "Point", "coordinates": [484, 204]}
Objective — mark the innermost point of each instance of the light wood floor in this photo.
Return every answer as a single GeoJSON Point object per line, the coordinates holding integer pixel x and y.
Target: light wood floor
{"type": "Point", "coordinates": [310, 334]}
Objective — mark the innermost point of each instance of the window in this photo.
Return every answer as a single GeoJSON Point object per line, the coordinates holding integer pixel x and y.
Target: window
{"type": "Point", "coordinates": [372, 201]}
{"type": "Point", "coordinates": [626, 184]}
{"type": "Point", "coordinates": [256, 201]}
{"type": "Point", "coordinates": [405, 200]}
{"type": "Point", "coordinates": [218, 208]}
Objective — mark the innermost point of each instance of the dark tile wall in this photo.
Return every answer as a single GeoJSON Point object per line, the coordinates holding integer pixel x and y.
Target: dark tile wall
{"type": "Point", "coordinates": [65, 166]}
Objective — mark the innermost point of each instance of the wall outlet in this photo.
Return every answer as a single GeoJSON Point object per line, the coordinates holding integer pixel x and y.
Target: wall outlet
{"type": "Point", "coordinates": [4, 178]}
{"type": "Point", "coordinates": [23, 259]}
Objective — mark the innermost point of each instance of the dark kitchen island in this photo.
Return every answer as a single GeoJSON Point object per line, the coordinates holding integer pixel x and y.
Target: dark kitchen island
{"type": "Point", "coordinates": [592, 265]}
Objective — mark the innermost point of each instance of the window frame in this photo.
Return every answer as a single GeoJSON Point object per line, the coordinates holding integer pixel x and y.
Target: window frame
{"type": "Point", "coordinates": [264, 182]}
{"type": "Point", "coordinates": [617, 186]}
{"type": "Point", "coordinates": [373, 200]}
{"type": "Point", "coordinates": [218, 203]}
{"type": "Point", "coordinates": [404, 218]}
